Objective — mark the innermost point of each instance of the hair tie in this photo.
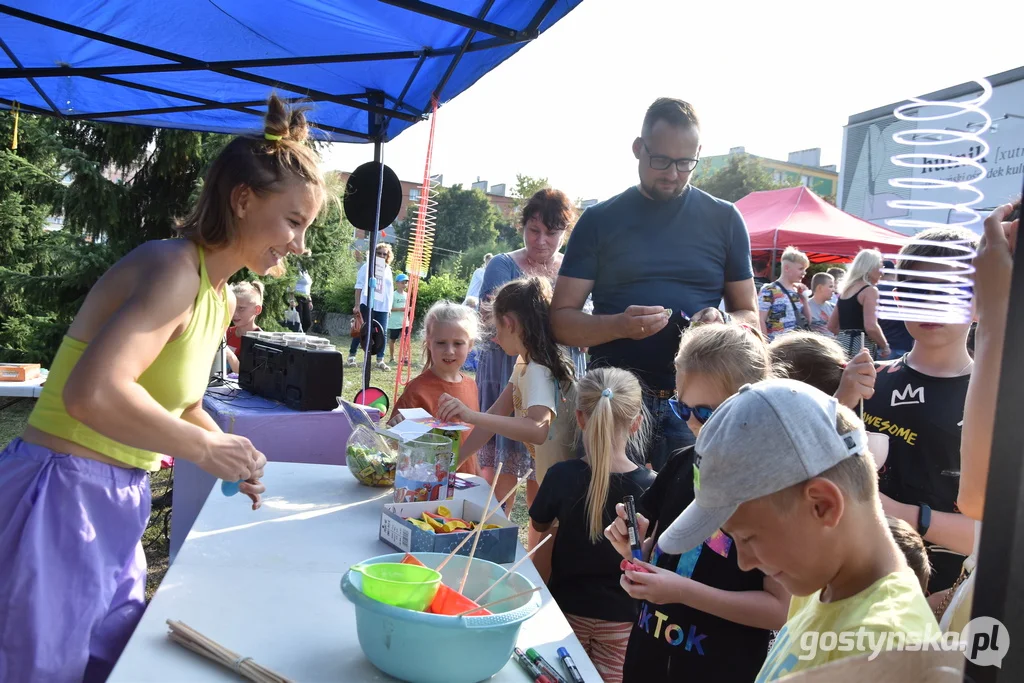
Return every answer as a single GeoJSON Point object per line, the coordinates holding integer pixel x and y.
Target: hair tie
{"type": "Point", "coordinates": [272, 137]}
{"type": "Point", "coordinates": [607, 393]}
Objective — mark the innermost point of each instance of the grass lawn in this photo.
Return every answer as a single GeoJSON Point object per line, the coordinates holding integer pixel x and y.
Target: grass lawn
{"type": "Point", "coordinates": [156, 539]}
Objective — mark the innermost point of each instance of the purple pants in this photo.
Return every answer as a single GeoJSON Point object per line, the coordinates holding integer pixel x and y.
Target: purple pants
{"type": "Point", "coordinates": [72, 569]}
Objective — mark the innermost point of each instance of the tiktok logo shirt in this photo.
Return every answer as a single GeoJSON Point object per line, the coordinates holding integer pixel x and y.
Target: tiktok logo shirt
{"type": "Point", "coordinates": [923, 417]}
{"type": "Point", "coordinates": [675, 642]}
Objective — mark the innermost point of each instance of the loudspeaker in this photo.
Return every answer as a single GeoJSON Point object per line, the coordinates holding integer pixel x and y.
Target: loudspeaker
{"type": "Point", "coordinates": [361, 197]}
{"type": "Point", "coordinates": [301, 378]}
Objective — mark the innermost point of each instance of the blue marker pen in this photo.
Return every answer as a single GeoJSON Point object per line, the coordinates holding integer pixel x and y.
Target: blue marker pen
{"type": "Point", "coordinates": [570, 665]}
{"type": "Point", "coordinates": [634, 536]}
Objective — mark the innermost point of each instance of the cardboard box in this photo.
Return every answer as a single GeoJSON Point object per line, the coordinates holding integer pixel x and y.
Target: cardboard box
{"type": "Point", "coordinates": [496, 545]}
{"type": "Point", "coordinates": [19, 372]}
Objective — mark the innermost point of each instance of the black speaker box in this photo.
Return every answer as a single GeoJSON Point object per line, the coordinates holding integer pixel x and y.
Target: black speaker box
{"type": "Point", "coordinates": [300, 378]}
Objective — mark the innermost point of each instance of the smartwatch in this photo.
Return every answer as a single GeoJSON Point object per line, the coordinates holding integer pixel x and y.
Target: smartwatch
{"type": "Point", "coordinates": [924, 519]}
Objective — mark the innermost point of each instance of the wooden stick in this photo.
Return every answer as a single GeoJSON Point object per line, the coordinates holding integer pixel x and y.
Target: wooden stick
{"type": "Point", "coordinates": [496, 602]}
{"type": "Point", "coordinates": [245, 667]}
{"type": "Point", "coordinates": [862, 399]}
{"type": "Point", "coordinates": [513, 567]}
{"type": "Point", "coordinates": [479, 528]}
{"type": "Point", "coordinates": [483, 521]}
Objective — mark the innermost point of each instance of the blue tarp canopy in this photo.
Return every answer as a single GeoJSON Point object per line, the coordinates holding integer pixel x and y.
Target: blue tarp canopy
{"type": "Point", "coordinates": [369, 68]}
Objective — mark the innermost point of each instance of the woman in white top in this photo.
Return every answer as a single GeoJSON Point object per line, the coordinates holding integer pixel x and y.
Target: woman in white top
{"type": "Point", "coordinates": [304, 300]}
{"type": "Point", "coordinates": [383, 296]}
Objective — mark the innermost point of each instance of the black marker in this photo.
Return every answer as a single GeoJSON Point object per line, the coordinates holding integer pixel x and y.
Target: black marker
{"type": "Point", "coordinates": [570, 665]}
{"type": "Point", "coordinates": [634, 536]}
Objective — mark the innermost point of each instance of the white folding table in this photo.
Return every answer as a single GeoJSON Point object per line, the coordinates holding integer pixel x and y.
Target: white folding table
{"type": "Point", "coordinates": [266, 584]}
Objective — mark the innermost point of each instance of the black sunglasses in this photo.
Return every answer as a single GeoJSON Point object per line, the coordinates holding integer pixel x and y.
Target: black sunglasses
{"type": "Point", "coordinates": [683, 411]}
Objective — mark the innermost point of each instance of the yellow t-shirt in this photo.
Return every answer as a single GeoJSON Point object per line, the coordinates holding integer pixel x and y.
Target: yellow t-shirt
{"type": "Point", "coordinates": [816, 633]}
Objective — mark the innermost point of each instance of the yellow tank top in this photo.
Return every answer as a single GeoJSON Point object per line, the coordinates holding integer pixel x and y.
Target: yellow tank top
{"type": "Point", "coordinates": [177, 378]}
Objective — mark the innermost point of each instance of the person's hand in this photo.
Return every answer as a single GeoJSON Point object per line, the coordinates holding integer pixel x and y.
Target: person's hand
{"type": "Point", "coordinates": [656, 585]}
{"type": "Point", "coordinates": [640, 322]}
{"type": "Point", "coordinates": [451, 409]}
{"type": "Point", "coordinates": [858, 380]}
{"type": "Point", "coordinates": [994, 264]}
{"type": "Point", "coordinates": [233, 458]}
{"type": "Point", "coordinates": [801, 289]}
{"type": "Point", "coordinates": [618, 535]}
{"type": "Point", "coordinates": [357, 315]}
{"type": "Point", "coordinates": [884, 352]}
{"type": "Point", "coordinates": [254, 489]}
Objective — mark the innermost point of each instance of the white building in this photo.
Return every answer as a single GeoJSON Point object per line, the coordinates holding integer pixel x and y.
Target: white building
{"type": "Point", "coordinates": [868, 146]}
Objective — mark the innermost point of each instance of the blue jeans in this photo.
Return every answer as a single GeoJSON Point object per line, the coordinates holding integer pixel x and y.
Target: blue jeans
{"type": "Point", "coordinates": [379, 317]}
{"type": "Point", "coordinates": [668, 434]}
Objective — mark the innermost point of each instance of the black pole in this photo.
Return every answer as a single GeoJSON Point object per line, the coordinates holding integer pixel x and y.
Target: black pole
{"type": "Point", "coordinates": [376, 128]}
{"type": "Point", "coordinates": [997, 594]}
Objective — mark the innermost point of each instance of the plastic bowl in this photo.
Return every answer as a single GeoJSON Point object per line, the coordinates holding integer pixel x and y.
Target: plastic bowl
{"type": "Point", "coordinates": [403, 585]}
{"type": "Point", "coordinates": [404, 644]}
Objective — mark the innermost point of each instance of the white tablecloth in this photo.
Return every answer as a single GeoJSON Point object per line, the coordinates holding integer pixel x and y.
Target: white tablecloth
{"type": "Point", "coordinates": [29, 389]}
{"type": "Point", "coordinates": [267, 584]}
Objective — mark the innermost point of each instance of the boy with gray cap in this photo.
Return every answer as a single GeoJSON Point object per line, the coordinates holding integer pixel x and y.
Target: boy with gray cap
{"type": "Point", "coordinates": [783, 469]}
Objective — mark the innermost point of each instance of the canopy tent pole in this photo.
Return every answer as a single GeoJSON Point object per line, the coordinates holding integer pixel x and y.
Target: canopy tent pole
{"type": "Point", "coordinates": [376, 129]}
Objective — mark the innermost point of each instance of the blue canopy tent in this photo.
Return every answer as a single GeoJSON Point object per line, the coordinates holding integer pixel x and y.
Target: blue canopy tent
{"type": "Point", "coordinates": [368, 69]}
{"type": "Point", "coordinates": [371, 68]}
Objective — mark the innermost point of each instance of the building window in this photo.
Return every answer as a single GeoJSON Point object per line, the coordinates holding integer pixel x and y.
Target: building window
{"type": "Point", "coordinates": [778, 177]}
{"type": "Point", "coordinates": [805, 181]}
{"type": "Point", "coordinates": [414, 194]}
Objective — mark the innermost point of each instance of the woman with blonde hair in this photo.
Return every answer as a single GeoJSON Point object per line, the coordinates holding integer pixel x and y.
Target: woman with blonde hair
{"type": "Point", "coordinates": [856, 315]}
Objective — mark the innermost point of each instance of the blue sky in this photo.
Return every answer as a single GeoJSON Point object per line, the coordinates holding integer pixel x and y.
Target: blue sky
{"type": "Point", "coordinates": [773, 77]}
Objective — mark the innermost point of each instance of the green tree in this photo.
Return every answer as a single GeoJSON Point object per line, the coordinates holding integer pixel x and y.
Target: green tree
{"type": "Point", "coordinates": [465, 219]}
{"type": "Point", "coordinates": [742, 175]}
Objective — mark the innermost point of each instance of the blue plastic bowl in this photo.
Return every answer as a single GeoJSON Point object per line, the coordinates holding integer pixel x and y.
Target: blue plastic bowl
{"type": "Point", "coordinates": [404, 644]}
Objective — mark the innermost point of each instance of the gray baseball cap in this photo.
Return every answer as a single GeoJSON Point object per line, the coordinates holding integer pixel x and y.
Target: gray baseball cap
{"type": "Point", "coordinates": [765, 438]}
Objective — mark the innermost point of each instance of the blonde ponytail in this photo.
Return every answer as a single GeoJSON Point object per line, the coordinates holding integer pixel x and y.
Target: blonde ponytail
{"type": "Point", "coordinates": [611, 400]}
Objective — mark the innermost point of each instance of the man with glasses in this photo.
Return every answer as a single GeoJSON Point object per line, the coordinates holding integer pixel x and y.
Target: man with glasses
{"type": "Point", "coordinates": [650, 257]}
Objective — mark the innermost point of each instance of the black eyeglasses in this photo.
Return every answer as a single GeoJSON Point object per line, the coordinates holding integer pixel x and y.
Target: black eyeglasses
{"type": "Point", "coordinates": [661, 163]}
{"type": "Point", "coordinates": [683, 411]}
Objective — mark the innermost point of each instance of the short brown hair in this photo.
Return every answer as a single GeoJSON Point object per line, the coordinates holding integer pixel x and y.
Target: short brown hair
{"type": "Point", "coordinates": [262, 163]}
{"type": "Point", "coordinates": [942, 234]}
{"type": "Point", "coordinates": [820, 280]}
{"type": "Point", "coordinates": [837, 273]}
{"type": "Point", "coordinates": [911, 545]}
{"type": "Point", "coordinates": [553, 208]}
{"type": "Point", "coordinates": [810, 358]}
{"type": "Point", "coordinates": [675, 112]}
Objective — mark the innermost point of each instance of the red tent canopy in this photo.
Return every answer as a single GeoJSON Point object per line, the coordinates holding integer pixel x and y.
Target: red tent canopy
{"type": "Point", "coordinates": [797, 217]}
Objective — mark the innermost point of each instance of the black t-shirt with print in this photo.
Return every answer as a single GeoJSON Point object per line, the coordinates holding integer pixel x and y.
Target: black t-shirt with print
{"type": "Point", "coordinates": [923, 417]}
{"type": "Point", "coordinates": [585, 576]}
{"type": "Point", "coordinates": [676, 642]}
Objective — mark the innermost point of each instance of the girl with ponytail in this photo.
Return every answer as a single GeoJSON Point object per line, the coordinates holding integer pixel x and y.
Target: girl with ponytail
{"type": "Point", "coordinates": [580, 496]}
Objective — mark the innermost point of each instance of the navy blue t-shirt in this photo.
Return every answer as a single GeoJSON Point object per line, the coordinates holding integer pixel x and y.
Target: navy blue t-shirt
{"type": "Point", "coordinates": [678, 254]}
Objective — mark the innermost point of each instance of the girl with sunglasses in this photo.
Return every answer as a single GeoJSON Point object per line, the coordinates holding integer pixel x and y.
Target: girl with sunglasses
{"type": "Point", "coordinates": [700, 616]}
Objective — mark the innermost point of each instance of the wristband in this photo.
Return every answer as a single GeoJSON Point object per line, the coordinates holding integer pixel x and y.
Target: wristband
{"type": "Point", "coordinates": [924, 519]}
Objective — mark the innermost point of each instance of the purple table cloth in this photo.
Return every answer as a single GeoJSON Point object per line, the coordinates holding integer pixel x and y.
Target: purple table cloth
{"type": "Point", "coordinates": [280, 433]}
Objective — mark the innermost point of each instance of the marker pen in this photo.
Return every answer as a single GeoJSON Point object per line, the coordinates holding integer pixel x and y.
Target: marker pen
{"type": "Point", "coordinates": [570, 666]}
{"type": "Point", "coordinates": [634, 536]}
{"type": "Point", "coordinates": [545, 666]}
{"type": "Point", "coordinates": [532, 669]}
